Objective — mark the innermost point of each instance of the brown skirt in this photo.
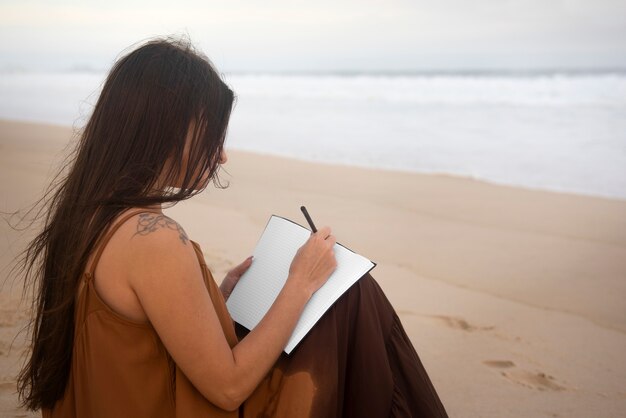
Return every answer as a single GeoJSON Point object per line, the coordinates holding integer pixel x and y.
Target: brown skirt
{"type": "Point", "coordinates": [357, 361]}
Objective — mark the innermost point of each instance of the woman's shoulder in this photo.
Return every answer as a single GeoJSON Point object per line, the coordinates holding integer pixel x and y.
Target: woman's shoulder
{"type": "Point", "coordinates": [142, 239]}
{"type": "Point", "coordinates": [152, 231]}
{"type": "Point", "coordinates": [146, 249]}
{"type": "Point", "coordinates": [137, 247]}
{"type": "Point", "coordinates": [156, 224]}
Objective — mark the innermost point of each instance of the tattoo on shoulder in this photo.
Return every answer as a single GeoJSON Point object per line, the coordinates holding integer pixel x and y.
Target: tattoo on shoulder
{"type": "Point", "coordinates": [150, 222]}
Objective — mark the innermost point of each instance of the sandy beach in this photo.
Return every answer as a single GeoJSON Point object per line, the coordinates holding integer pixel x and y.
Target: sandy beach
{"type": "Point", "coordinates": [513, 298]}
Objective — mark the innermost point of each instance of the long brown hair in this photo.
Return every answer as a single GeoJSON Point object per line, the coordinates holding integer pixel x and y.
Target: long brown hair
{"type": "Point", "coordinates": [149, 101]}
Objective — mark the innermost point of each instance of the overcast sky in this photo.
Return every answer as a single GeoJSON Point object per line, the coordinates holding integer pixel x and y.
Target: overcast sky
{"type": "Point", "coordinates": [321, 35]}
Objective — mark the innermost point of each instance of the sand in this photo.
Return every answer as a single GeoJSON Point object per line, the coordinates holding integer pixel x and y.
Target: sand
{"type": "Point", "coordinates": [513, 298]}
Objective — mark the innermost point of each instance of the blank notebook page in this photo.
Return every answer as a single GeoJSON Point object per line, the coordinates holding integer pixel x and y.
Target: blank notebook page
{"type": "Point", "coordinates": [260, 285]}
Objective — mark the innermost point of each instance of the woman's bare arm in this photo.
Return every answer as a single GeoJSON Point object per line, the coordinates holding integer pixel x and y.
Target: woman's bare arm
{"type": "Point", "coordinates": [167, 279]}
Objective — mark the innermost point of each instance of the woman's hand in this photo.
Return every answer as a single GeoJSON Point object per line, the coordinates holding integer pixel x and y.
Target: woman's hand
{"type": "Point", "coordinates": [315, 261]}
{"type": "Point", "coordinates": [233, 276]}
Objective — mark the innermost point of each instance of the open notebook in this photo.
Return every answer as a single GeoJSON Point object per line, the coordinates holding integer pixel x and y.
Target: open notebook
{"type": "Point", "coordinates": [260, 285]}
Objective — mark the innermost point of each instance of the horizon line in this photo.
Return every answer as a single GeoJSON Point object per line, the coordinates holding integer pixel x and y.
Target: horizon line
{"type": "Point", "coordinates": [566, 70]}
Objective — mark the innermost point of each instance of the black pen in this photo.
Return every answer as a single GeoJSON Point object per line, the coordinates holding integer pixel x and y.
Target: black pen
{"type": "Point", "coordinates": [308, 219]}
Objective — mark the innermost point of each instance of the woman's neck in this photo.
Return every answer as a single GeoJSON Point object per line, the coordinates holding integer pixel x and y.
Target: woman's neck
{"type": "Point", "coordinates": [156, 207]}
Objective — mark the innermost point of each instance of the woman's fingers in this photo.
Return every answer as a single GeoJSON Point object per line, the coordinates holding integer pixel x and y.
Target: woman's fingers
{"type": "Point", "coordinates": [240, 269]}
{"type": "Point", "coordinates": [323, 232]}
{"type": "Point", "coordinates": [315, 260]}
{"type": "Point", "coordinates": [233, 276]}
{"type": "Point", "coordinates": [331, 240]}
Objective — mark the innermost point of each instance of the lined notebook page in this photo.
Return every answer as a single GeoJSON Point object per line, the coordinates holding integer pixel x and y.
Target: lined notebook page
{"type": "Point", "coordinates": [260, 285]}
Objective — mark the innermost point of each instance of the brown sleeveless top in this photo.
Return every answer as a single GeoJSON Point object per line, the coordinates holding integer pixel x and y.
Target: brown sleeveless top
{"type": "Point", "coordinates": [120, 368]}
{"type": "Point", "coordinates": [356, 362]}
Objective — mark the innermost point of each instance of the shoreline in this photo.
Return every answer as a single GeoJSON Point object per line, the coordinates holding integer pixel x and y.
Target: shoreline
{"type": "Point", "coordinates": [512, 297]}
{"type": "Point", "coordinates": [369, 168]}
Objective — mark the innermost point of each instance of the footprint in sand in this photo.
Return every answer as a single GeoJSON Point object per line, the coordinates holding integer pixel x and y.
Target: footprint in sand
{"type": "Point", "coordinates": [7, 320]}
{"type": "Point", "coordinates": [532, 380]}
{"type": "Point", "coordinates": [12, 315]}
{"type": "Point", "coordinates": [405, 312]}
{"type": "Point", "coordinates": [501, 364]}
{"type": "Point", "coordinates": [450, 321]}
{"type": "Point", "coordinates": [460, 323]}
{"type": "Point", "coordinates": [7, 383]}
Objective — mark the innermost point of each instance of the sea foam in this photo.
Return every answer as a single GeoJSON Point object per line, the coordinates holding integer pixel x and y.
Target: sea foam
{"type": "Point", "coordinates": [561, 132]}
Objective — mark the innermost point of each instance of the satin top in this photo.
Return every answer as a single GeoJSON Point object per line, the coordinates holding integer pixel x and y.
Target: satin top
{"type": "Point", "coordinates": [120, 368]}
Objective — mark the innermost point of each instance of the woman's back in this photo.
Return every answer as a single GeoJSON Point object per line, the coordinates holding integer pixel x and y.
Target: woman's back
{"type": "Point", "coordinates": [120, 366]}
{"type": "Point", "coordinates": [110, 273]}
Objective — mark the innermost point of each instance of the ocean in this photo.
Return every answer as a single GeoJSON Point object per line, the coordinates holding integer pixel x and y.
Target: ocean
{"type": "Point", "coordinates": [557, 131]}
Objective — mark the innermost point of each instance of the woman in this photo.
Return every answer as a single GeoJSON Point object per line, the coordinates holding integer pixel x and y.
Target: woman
{"type": "Point", "coordinates": [129, 320]}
